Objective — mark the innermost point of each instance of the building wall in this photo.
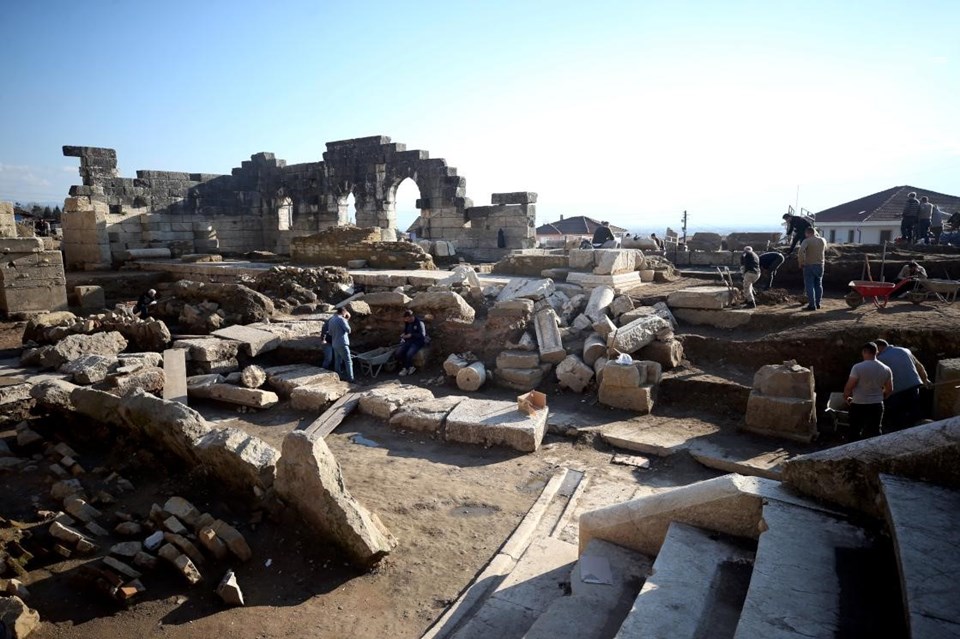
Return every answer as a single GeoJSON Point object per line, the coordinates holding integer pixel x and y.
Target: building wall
{"type": "Point", "coordinates": [859, 234]}
{"type": "Point", "coordinates": [264, 203]}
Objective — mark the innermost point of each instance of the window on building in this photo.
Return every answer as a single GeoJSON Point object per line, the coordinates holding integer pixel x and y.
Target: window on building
{"type": "Point", "coordinates": [833, 236]}
{"type": "Point", "coordinates": [886, 236]}
{"type": "Point", "coordinates": [850, 235]}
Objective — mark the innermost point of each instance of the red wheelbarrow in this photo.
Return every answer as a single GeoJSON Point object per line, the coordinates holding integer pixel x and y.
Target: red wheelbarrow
{"type": "Point", "coordinates": [879, 291]}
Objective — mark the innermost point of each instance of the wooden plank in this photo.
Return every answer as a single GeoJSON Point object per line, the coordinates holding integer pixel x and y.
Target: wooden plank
{"type": "Point", "coordinates": [333, 416]}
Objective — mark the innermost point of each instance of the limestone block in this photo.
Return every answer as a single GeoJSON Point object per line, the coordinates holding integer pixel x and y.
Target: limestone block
{"type": "Point", "coordinates": [605, 327]}
{"type": "Point", "coordinates": [582, 259]}
{"type": "Point", "coordinates": [638, 333]}
{"type": "Point", "coordinates": [709, 297]}
{"type": "Point", "coordinates": [89, 369]}
{"type": "Point", "coordinates": [518, 359]}
{"type": "Point", "coordinates": [781, 417]}
{"type": "Point", "coordinates": [496, 423]}
{"type": "Point", "coordinates": [453, 364]}
{"type": "Point", "coordinates": [582, 323]}
{"type": "Point", "coordinates": [222, 367]}
{"type": "Point", "coordinates": [521, 379]}
{"type": "Point", "coordinates": [527, 289]}
{"type": "Point", "coordinates": [470, 378]}
{"type": "Point", "coordinates": [639, 399]}
{"type": "Point", "coordinates": [149, 379]}
{"type": "Point", "coordinates": [600, 300]}
{"type": "Point", "coordinates": [781, 380]}
{"type": "Point", "coordinates": [668, 354]}
{"type": "Point", "coordinates": [614, 261]}
{"type": "Point", "coordinates": [316, 397]}
{"type": "Point", "coordinates": [598, 367]}
{"type": "Point", "coordinates": [428, 416]}
{"type": "Point", "coordinates": [54, 393]}
{"type": "Point", "coordinates": [574, 374]}
{"type": "Point", "coordinates": [286, 378]}
{"type": "Point", "coordinates": [107, 344]}
{"type": "Point", "coordinates": [444, 304]}
{"type": "Point", "coordinates": [548, 336]}
{"type": "Point", "coordinates": [309, 479]}
{"type": "Point", "coordinates": [620, 305]}
{"type": "Point", "coordinates": [208, 349]}
{"type": "Point", "coordinates": [946, 398]}
{"type": "Point", "coordinates": [253, 341]}
{"type": "Point", "coordinates": [594, 348]}
{"type": "Point", "coordinates": [386, 299]}
{"type": "Point", "coordinates": [625, 375]}
{"type": "Point", "coordinates": [662, 310]}
{"type": "Point", "coordinates": [90, 297]}
{"type": "Point", "coordinates": [236, 459]}
{"type": "Point", "coordinates": [382, 402]}
{"type": "Point", "coordinates": [251, 397]}
{"type": "Point", "coordinates": [17, 618]}
{"type": "Point", "coordinates": [517, 305]}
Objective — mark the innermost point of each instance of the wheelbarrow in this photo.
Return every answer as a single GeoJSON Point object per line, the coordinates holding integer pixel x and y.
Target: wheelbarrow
{"type": "Point", "coordinates": [943, 290]}
{"type": "Point", "coordinates": [372, 362]}
{"type": "Point", "coordinates": [838, 413]}
{"type": "Point", "coordinates": [879, 291]}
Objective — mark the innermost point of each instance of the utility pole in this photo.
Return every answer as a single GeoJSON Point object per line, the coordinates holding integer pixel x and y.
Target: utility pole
{"type": "Point", "coordinates": [684, 220]}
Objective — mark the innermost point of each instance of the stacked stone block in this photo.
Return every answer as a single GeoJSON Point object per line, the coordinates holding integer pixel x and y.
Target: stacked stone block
{"type": "Point", "coordinates": [630, 386]}
{"type": "Point", "coordinates": [31, 277]}
{"type": "Point", "coordinates": [783, 402]}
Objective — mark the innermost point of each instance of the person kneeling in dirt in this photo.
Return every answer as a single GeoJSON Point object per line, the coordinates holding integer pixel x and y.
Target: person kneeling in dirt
{"type": "Point", "coordinates": [750, 267]}
{"type": "Point", "coordinates": [144, 303]}
{"type": "Point", "coordinates": [869, 384]}
{"type": "Point", "coordinates": [769, 263]}
{"type": "Point", "coordinates": [413, 338]}
{"type": "Point", "coordinates": [911, 271]}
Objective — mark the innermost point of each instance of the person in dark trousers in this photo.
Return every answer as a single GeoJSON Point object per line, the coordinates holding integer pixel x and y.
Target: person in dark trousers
{"type": "Point", "coordinates": [909, 218]}
{"type": "Point", "coordinates": [339, 328]}
{"type": "Point", "coordinates": [750, 268]}
{"type": "Point", "coordinates": [501, 239]}
{"type": "Point", "coordinates": [603, 237]}
{"type": "Point", "coordinates": [413, 338]}
{"type": "Point", "coordinates": [869, 384]}
{"type": "Point", "coordinates": [796, 226]}
{"type": "Point", "coordinates": [769, 263]}
{"type": "Point", "coordinates": [659, 242]}
{"type": "Point", "coordinates": [908, 376]}
{"type": "Point", "coordinates": [142, 308]}
{"type": "Point", "coordinates": [327, 346]}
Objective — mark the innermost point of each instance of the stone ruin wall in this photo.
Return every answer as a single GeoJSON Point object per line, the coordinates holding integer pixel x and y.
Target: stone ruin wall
{"type": "Point", "coordinates": [31, 271]}
{"type": "Point", "coordinates": [265, 203]}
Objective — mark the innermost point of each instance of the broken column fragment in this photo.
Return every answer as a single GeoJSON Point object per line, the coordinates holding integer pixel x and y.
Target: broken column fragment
{"type": "Point", "coordinates": [548, 336]}
{"type": "Point", "coordinates": [309, 479]}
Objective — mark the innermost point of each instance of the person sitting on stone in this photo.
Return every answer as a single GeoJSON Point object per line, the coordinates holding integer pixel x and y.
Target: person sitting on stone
{"type": "Point", "coordinates": [769, 263]}
{"type": "Point", "coordinates": [144, 303]}
{"type": "Point", "coordinates": [603, 237]}
{"type": "Point", "coordinates": [796, 226]}
{"type": "Point", "coordinates": [413, 338]}
{"type": "Point", "coordinates": [657, 241]}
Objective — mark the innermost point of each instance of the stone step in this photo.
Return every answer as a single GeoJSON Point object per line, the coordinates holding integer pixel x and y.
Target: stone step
{"type": "Point", "coordinates": [924, 521]}
{"type": "Point", "coordinates": [526, 574]}
{"type": "Point", "coordinates": [603, 585]}
{"type": "Point", "coordinates": [815, 575]}
{"type": "Point", "coordinates": [699, 581]}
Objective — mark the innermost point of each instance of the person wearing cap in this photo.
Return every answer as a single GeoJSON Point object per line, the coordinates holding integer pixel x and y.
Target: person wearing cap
{"type": "Point", "coordinates": [750, 268]}
{"type": "Point", "coordinates": [412, 339]}
{"type": "Point", "coordinates": [869, 384]}
{"type": "Point", "coordinates": [142, 308]}
{"type": "Point", "coordinates": [796, 226]}
{"type": "Point", "coordinates": [908, 376]}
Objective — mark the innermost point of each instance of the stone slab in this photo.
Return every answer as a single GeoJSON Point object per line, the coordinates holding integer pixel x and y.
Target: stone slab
{"type": "Point", "coordinates": [253, 341]}
{"type": "Point", "coordinates": [175, 375]}
{"type": "Point", "coordinates": [653, 437]}
{"type": "Point", "coordinates": [383, 401]}
{"type": "Point", "coordinates": [726, 318]}
{"type": "Point", "coordinates": [496, 423]}
{"type": "Point", "coordinates": [427, 416]}
{"type": "Point", "coordinates": [317, 397]}
{"type": "Point", "coordinates": [622, 283]}
{"type": "Point", "coordinates": [740, 453]}
{"type": "Point", "coordinates": [924, 521]}
{"type": "Point", "coordinates": [286, 378]}
{"type": "Point", "coordinates": [710, 297]}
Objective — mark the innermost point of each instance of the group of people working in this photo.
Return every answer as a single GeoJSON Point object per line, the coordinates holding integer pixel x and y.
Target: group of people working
{"type": "Point", "coordinates": [920, 219]}
{"type": "Point", "coordinates": [336, 339]}
{"type": "Point", "coordinates": [811, 257]}
{"type": "Point", "coordinates": [883, 391]}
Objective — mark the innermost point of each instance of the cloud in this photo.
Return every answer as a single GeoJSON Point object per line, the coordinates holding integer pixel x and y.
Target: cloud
{"type": "Point", "coordinates": [21, 182]}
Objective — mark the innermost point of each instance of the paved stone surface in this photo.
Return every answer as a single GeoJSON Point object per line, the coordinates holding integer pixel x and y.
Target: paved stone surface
{"type": "Point", "coordinates": [652, 437]}
{"type": "Point", "coordinates": [253, 340]}
{"type": "Point", "coordinates": [496, 423]}
{"type": "Point", "coordinates": [425, 416]}
{"type": "Point", "coordinates": [924, 520]}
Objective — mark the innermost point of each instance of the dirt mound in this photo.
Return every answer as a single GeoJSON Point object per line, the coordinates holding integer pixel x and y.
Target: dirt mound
{"type": "Point", "coordinates": [776, 296]}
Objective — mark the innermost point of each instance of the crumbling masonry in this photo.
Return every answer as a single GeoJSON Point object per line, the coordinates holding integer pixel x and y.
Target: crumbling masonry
{"type": "Point", "coordinates": [265, 203]}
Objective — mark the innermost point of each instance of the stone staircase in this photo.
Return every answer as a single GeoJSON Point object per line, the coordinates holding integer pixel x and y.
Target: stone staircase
{"type": "Point", "coordinates": [745, 557]}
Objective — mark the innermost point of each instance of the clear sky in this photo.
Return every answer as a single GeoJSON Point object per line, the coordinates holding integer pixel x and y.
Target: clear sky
{"type": "Point", "coordinates": [629, 111]}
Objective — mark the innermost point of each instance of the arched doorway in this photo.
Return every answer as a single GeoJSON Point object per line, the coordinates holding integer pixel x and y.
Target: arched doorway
{"type": "Point", "coordinates": [347, 209]}
{"type": "Point", "coordinates": [285, 215]}
{"type": "Point", "coordinates": [405, 205]}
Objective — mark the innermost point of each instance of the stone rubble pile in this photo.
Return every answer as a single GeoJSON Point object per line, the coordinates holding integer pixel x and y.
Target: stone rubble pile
{"type": "Point", "coordinates": [293, 286]}
{"type": "Point", "coordinates": [148, 335]}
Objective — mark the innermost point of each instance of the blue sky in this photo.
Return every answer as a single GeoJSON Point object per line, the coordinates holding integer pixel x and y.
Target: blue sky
{"type": "Point", "coordinates": [627, 111]}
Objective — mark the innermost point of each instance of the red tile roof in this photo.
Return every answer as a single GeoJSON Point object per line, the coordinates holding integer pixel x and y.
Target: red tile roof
{"type": "Point", "coordinates": [577, 225]}
{"type": "Point", "coordinates": [884, 206]}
